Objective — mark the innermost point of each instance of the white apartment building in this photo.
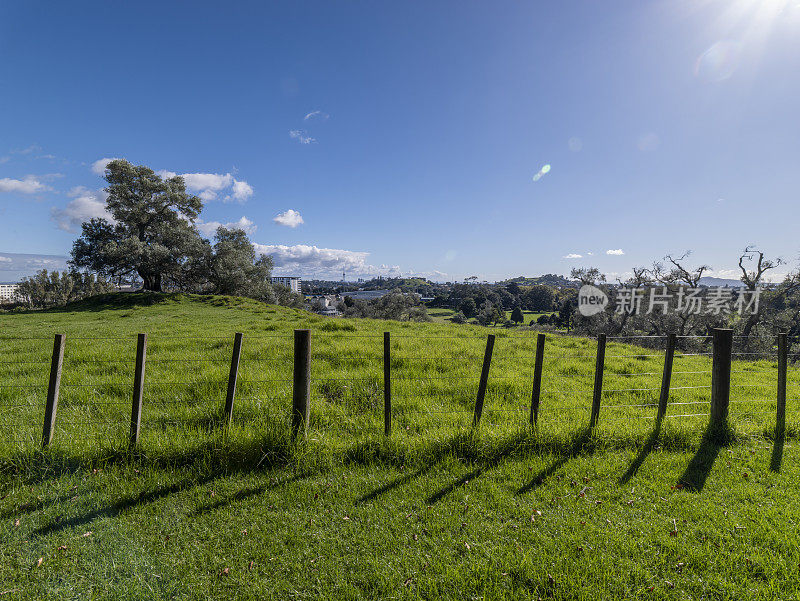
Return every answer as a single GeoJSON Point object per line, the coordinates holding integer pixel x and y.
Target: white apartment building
{"type": "Point", "coordinates": [291, 282]}
{"type": "Point", "coordinates": [8, 293]}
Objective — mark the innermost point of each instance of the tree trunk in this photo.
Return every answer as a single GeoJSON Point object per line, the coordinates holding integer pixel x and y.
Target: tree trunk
{"type": "Point", "coordinates": [152, 281]}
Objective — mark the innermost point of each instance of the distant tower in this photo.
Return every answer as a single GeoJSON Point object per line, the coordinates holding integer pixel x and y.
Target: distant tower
{"type": "Point", "coordinates": [343, 276]}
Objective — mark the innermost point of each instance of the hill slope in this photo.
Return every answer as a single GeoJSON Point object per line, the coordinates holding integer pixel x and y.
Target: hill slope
{"type": "Point", "coordinates": [436, 510]}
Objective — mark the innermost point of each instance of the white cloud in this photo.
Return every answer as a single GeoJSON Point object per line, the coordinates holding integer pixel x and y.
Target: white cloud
{"type": "Point", "coordinates": [301, 136]}
{"type": "Point", "coordinates": [99, 166]}
{"type": "Point", "coordinates": [208, 185]}
{"type": "Point", "coordinates": [617, 252]}
{"type": "Point", "coordinates": [329, 263]}
{"type": "Point", "coordinates": [573, 256]}
{"type": "Point", "coordinates": [241, 190]}
{"type": "Point", "coordinates": [208, 228]}
{"type": "Point", "coordinates": [15, 266]}
{"type": "Point", "coordinates": [85, 205]}
{"type": "Point", "coordinates": [290, 218]}
{"type": "Point", "coordinates": [28, 185]}
{"type": "Point", "coordinates": [313, 114]}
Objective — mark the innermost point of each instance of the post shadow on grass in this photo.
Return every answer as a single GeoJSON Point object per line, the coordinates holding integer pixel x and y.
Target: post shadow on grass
{"type": "Point", "coordinates": [247, 493]}
{"type": "Point", "coordinates": [465, 446]}
{"type": "Point", "coordinates": [777, 450]}
{"type": "Point", "coordinates": [649, 444]}
{"type": "Point", "coordinates": [397, 482]}
{"type": "Point", "coordinates": [441, 493]}
{"type": "Point", "coordinates": [578, 444]}
{"type": "Point", "coordinates": [129, 502]}
{"type": "Point", "coordinates": [715, 437]}
{"type": "Point", "coordinates": [151, 496]}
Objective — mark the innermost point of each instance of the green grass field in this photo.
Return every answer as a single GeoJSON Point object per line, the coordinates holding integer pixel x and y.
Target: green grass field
{"type": "Point", "coordinates": [437, 510]}
{"type": "Point", "coordinates": [441, 315]}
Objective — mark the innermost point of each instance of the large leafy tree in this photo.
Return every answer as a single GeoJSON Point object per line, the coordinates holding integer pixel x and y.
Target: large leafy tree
{"type": "Point", "coordinates": [236, 270]}
{"type": "Point", "coordinates": [152, 232]}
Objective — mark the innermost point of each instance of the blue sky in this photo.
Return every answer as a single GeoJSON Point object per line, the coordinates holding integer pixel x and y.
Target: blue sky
{"type": "Point", "coordinates": [406, 136]}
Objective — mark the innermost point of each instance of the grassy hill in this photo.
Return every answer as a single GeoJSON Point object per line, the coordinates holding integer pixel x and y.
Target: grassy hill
{"type": "Point", "coordinates": [436, 510]}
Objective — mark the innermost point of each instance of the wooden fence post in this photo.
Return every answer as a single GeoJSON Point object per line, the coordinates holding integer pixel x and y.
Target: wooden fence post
{"type": "Point", "coordinates": [599, 365]}
{"type": "Point", "coordinates": [138, 389]}
{"type": "Point", "coordinates": [487, 361]}
{"type": "Point", "coordinates": [53, 386]}
{"type": "Point", "coordinates": [666, 377]}
{"type": "Point", "coordinates": [721, 379]}
{"type": "Point", "coordinates": [537, 379]}
{"type": "Point", "coordinates": [387, 384]}
{"type": "Point", "coordinates": [232, 376]}
{"type": "Point", "coordinates": [783, 352]}
{"type": "Point", "coordinates": [301, 388]}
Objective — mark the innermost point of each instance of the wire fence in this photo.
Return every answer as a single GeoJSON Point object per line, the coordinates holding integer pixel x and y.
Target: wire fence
{"type": "Point", "coordinates": [434, 382]}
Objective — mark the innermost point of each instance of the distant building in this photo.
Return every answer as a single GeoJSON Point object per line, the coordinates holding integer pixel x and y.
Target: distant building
{"type": "Point", "coordinates": [291, 282]}
{"type": "Point", "coordinates": [9, 293]}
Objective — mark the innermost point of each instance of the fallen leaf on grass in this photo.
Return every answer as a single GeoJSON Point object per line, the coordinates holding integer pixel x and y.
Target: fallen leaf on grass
{"type": "Point", "coordinates": [62, 548]}
{"type": "Point", "coordinates": [87, 533]}
{"type": "Point", "coordinates": [250, 565]}
{"type": "Point", "coordinates": [225, 572]}
{"type": "Point", "coordinates": [16, 523]}
{"type": "Point", "coordinates": [39, 563]}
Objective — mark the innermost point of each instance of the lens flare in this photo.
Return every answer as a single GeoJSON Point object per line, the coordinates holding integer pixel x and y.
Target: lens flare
{"type": "Point", "coordinates": [719, 62]}
{"type": "Point", "coordinates": [542, 172]}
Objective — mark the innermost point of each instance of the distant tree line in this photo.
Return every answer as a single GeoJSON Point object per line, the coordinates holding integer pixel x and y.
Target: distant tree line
{"type": "Point", "coordinates": [50, 289]}
{"type": "Point", "coordinates": [778, 304]}
{"type": "Point", "coordinates": [397, 305]}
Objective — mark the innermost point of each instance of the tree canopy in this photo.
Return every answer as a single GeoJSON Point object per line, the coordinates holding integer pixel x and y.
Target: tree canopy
{"type": "Point", "coordinates": [151, 232]}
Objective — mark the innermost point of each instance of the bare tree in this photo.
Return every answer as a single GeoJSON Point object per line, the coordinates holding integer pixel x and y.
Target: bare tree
{"type": "Point", "coordinates": [675, 277]}
{"type": "Point", "coordinates": [753, 278]}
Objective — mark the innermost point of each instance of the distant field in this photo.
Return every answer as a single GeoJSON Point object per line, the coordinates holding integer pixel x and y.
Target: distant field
{"type": "Point", "coordinates": [440, 315]}
{"type": "Point", "coordinates": [437, 510]}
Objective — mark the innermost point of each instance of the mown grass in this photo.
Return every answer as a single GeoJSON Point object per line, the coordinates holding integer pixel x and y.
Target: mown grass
{"type": "Point", "coordinates": [633, 509]}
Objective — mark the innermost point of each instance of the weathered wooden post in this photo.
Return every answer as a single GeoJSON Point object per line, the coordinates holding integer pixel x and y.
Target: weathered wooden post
{"type": "Point", "coordinates": [537, 379]}
{"type": "Point", "coordinates": [487, 361]}
{"type": "Point", "coordinates": [599, 365]}
{"type": "Point", "coordinates": [301, 389]}
{"type": "Point", "coordinates": [232, 377]}
{"type": "Point", "coordinates": [138, 389]}
{"type": "Point", "coordinates": [387, 384]}
{"type": "Point", "coordinates": [720, 380]}
{"type": "Point", "coordinates": [51, 408]}
{"type": "Point", "coordinates": [666, 377]}
{"type": "Point", "coordinates": [783, 352]}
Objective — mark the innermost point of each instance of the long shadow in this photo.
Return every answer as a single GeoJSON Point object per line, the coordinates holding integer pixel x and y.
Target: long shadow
{"type": "Point", "coordinates": [777, 450]}
{"type": "Point", "coordinates": [578, 445]}
{"type": "Point", "coordinates": [129, 502]}
{"type": "Point", "coordinates": [506, 449]}
{"type": "Point", "coordinates": [247, 493]}
{"type": "Point", "coordinates": [37, 506]}
{"type": "Point", "coordinates": [643, 453]}
{"type": "Point", "coordinates": [438, 495]}
{"type": "Point", "coordinates": [696, 473]}
{"type": "Point", "coordinates": [399, 481]}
